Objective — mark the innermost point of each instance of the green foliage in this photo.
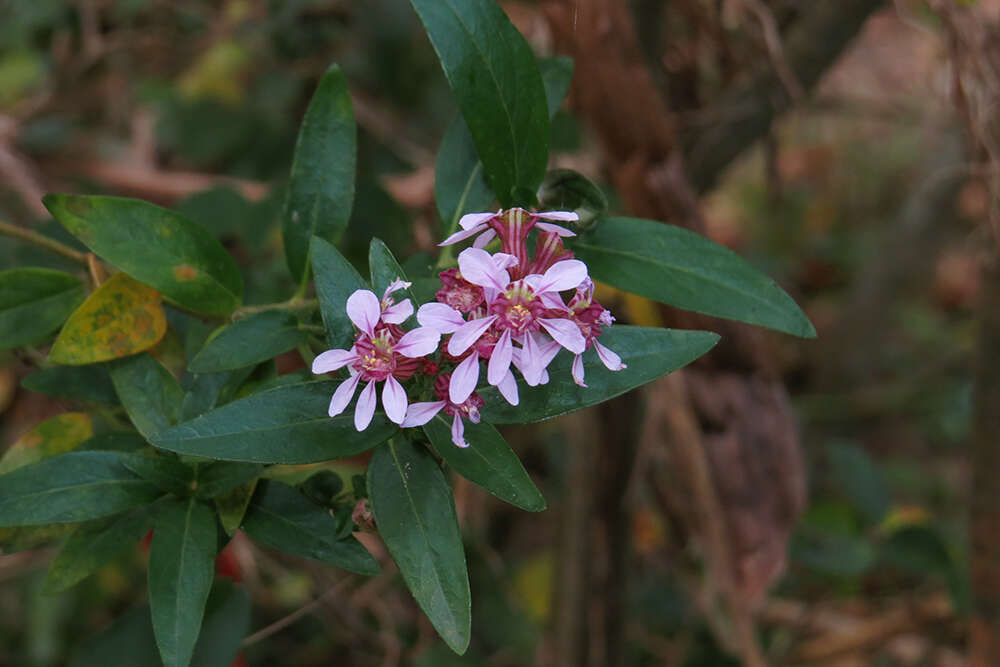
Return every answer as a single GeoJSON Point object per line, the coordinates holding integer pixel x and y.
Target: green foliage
{"type": "Point", "coordinates": [151, 396]}
{"type": "Point", "coordinates": [384, 270]}
{"type": "Point", "coordinates": [336, 279]}
{"type": "Point", "coordinates": [249, 341]}
{"type": "Point", "coordinates": [81, 383]}
{"type": "Point", "coordinates": [34, 303]}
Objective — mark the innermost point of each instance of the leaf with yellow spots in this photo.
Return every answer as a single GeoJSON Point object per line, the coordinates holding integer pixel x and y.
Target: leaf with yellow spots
{"type": "Point", "coordinates": [53, 436]}
{"type": "Point", "coordinates": [120, 318]}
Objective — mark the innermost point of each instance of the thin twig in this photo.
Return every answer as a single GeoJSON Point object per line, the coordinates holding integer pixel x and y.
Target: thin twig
{"type": "Point", "coordinates": [285, 621]}
{"type": "Point", "coordinates": [295, 303]}
{"type": "Point", "coordinates": [44, 242]}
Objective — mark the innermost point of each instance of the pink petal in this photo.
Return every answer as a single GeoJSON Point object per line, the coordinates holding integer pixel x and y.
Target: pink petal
{"type": "Point", "coordinates": [566, 333]}
{"type": "Point", "coordinates": [394, 400]}
{"type": "Point", "coordinates": [555, 229]}
{"type": "Point", "coordinates": [552, 301]}
{"type": "Point", "coordinates": [395, 286]}
{"type": "Point", "coordinates": [578, 371]}
{"type": "Point", "coordinates": [561, 276]}
{"type": "Point", "coordinates": [364, 309]}
{"type": "Point", "coordinates": [418, 343]}
{"type": "Point", "coordinates": [470, 220]}
{"type": "Point", "coordinates": [331, 360]}
{"type": "Point", "coordinates": [467, 334]}
{"type": "Point", "coordinates": [343, 395]}
{"type": "Point", "coordinates": [610, 360]}
{"type": "Point", "coordinates": [419, 414]}
{"type": "Point", "coordinates": [530, 361]}
{"type": "Point", "coordinates": [503, 260]}
{"type": "Point", "coordinates": [500, 359]}
{"type": "Point", "coordinates": [458, 432]}
{"type": "Point", "coordinates": [464, 380]}
{"type": "Point", "coordinates": [474, 415]}
{"type": "Point", "coordinates": [365, 409]}
{"type": "Point", "coordinates": [398, 313]}
{"type": "Point", "coordinates": [440, 317]}
{"type": "Point", "coordinates": [484, 239]}
{"type": "Point", "coordinates": [508, 388]}
{"type": "Point", "coordinates": [478, 268]}
{"type": "Point", "coordinates": [461, 236]}
{"type": "Point", "coordinates": [565, 216]}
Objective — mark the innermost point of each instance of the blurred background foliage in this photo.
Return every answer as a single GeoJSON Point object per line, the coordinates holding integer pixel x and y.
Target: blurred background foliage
{"type": "Point", "coordinates": [196, 105]}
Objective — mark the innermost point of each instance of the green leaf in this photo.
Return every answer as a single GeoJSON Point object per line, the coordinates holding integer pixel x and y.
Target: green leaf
{"type": "Point", "coordinates": [215, 479]}
{"type": "Point", "coordinates": [93, 545]}
{"type": "Point", "coordinates": [119, 318]}
{"type": "Point", "coordinates": [336, 279]}
{"type": "Point", "coordinates": [282, 518]}
{"type": "Point", "coordinates": [151, 396]}
{"type": "Point", "coordinates": [557, 74]}
{"type": "Point", "coordinates": [70, 488]}
{"type": "Point", "coordinates": [282, 425]}
{"type": "Point", "coordinates": [118, 441]}
{"type": "Point", "coordinates": [859, 479]}
{"type": "Point", "coordinates": [165, 472]}
{"type": "Point", "coordinates": [81, 383]}
{"type": "Point", "coordinates": [321, 191]}
{"type": "Point", "coordinates": [249, 341]}
{"type": "Point", "coordinates": [232, 506]}
{"type": "Point", "coordinates": [57, 435]}
{"type": "Point", "coordinates": [567, 190]}
{"type": "Point", "coordinates": [488, 461]}
{"type": "Point", "coordinates": [156, 246]}
{"type": "Point", "coordinates": [649, 353]}
{"type": "Point", "coordinates": [460, 185]}
{"type": "Point", "coordinates": [499, 90]}
{"type": "Point", "coordinates": [415, 514]}
{"type": "Point", "coordinates": [181, 569]}
{"type": "Point", "coordinates": [385, 269]}
{"type": "Point", "coordinates": [34, 303]}
{"type": "Point", "coordinates": [128, 641]}
{"type": "Point", "coordinates": [686, 270]}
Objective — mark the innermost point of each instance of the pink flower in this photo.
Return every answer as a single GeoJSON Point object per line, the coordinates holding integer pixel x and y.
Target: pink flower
{"type": "Point", "coordinates": [590, 316]}
{"type": "Point", "coordinates": [419, 414]}
{"type": "Point", "coordinates": [382, 352]}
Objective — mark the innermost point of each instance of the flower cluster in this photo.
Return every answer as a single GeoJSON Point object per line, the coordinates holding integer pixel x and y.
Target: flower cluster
{"type": "Point", "coordinates": [505, 309]}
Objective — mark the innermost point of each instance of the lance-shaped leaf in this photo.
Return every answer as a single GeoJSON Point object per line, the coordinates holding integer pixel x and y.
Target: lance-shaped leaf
{"type": "Point", "coordinates": [488, 461]}
{"type": "Point", "coordinates": [57, 435]}
{"type": "Point", "coordinates": [335, 279]}
{"type": "Point", "coordinates": [232, 506]}
{"type": "Point", "coordinates": [415, 514]}
{"type": "Point", "coordinates": [249, 341]}
{"type": "Point", "coordinates": [73, 487]}
{"type": "Point", "coordinates": [686, 270]}
{"type": "Point", "coordinates": [181, 569]}
{"type": "Point", "coordinates": [281, 425]}
{"type": "Point", "coordinates": [93, 545]}
{"type": "Point", "coordinates": [156, 246]}
{"type": "Point", "coordinates": [81, 383]}
{"type": "Point", "coordinates": [221, 477]}
{"type": "Point", "coordinates": [34, 303]}
{"type": "Point", "coordinates": [499, 90]}
{"type": "Point", "coordinates": [121, 317]}
{"type": "Point", "coordinates": [321, 190]}
{"type": "Point", "coordinates": [384, 270]}
{"type": "Point", "coordinates": [152, 397]}
{"type": "Point", "coordinates": [649, 352]}
{"type": "Point", "coordinates": [283, 518]}
{"type": "Point", "coordinates": [165, 472]}
{"type": "Point", "coordinates": [557, 74]}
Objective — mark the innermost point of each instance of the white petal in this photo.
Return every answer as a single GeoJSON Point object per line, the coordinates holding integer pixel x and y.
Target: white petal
{"type": "Point", "coordinates": [566, 333]}
{"type": "Point", "coordinates": [343, 395]}
{"type": "Point", "coordinates": [458, 432]}
{"type": "Point", "coordinates": [554, 229]}
{"type": "Point", "coordinates": [467, 334]}
{"type": "Point", "coordinates": [365, 409]}
{"type": "Point", "coordinates": [440, 317]}
{"type": "Point", "coordinates": [484, 239]}
{"type": "Point", "coordinates": [364, 309]}
{"type": "Point", "coordinates": [470, 220]}
{"type": "Point", "coordinates": [478, 268]}
{"type": "Point", "coordinates": [419, 414]}
{"type": "Point", "coordinates": [500, 359]}
{"type": "Point", "coordinates": [418, 343]}
{"type": "Point", "coordinates": [508, 388]}
{"type": "Point", "coordinates": [394, 400]}
{"type": "Point", "coordinates": [462, 235]}
{"type": "Point", "coordinates": [565, 216]}
{"type": "Point", "coordinates": [398, 313]}
{"type": "Point", "coordinates": [464, 379]}
{"type": "Point", "coordinates": [578, 370]}
{"type": "Point", "coordinates": [608, 357]}
{"type": "Point", "coordinates": [395, 286]}
{"type": "Point", "coordinates": [561, 276]}
{"type": "Point", "coordinates": [331, 360]}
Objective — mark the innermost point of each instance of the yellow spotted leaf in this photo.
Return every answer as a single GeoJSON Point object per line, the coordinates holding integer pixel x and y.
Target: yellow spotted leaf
{"type": "Point", "coordinates": [121, 317]}
{"type": "Point", "coordinates": [53, 436]}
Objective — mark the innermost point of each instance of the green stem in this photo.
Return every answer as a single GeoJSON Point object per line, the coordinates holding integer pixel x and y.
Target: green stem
{"type": "Point", "coordinates": [43, 242]}
{"type": "Point", "coordinates": [295, 303]}
{"type": "Point", "coordinates": [445, 258]}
